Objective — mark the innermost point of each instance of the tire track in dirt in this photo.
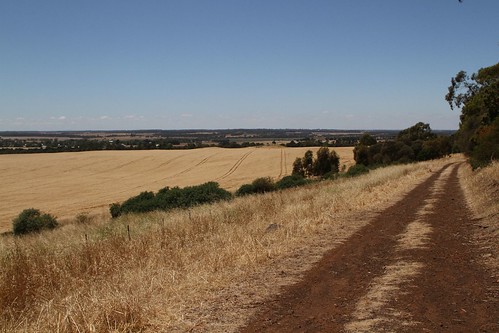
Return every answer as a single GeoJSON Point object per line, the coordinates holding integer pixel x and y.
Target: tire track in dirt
{"type": "Point", "coordinates": [409, 270]}
{"type": "Point", "coordinates": [284, 165]}
{"type": "Point", "coordinates": [203, 161]}
{"type": "Point", "coordinates": [371, 312]}
{"type": "Point", "coordinates": [281, 166]}
{"type": "Point", "coordinates": [235, 166]}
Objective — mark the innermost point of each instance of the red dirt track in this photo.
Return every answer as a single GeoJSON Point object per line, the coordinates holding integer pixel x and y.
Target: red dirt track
{"type": "Point", "coordinates": [413, 268]}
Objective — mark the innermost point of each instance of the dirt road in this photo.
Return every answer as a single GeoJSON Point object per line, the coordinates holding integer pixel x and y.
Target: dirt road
{"type": "Point", "coordinates": [414, 268]}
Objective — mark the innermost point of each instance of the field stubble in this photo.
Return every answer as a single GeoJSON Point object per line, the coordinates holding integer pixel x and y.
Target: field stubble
{"type": "Point", "coordinates": [66, 184]}
{"type": "Point", "coordinates": [203, 269]}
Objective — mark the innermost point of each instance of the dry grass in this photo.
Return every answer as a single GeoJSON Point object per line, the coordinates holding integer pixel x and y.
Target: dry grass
{"type": "Point", "coordinates": [205, 269]}
{"type": "Point", "coordinates": [66, 184]}
{"type": "Point", "coordinates": [481, 188]}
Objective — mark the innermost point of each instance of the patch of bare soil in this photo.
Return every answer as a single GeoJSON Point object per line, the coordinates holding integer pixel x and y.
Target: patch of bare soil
{"type": "Point", "coordinates": [414, 268]}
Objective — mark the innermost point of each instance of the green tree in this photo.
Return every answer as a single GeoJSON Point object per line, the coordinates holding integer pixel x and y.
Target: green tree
{"type": "Point", "coordinates": [327, 161]}
{"type": "Point", "coordinates": [367, 140]}
{"type": "Point", "coordinates": [478, 97]}
{"type": "Point", "coordinates": [420, 131]}
{"type": "Point", "coordinates": [308, 163]}
{"type": "Point", "coordinates": [298, 169]}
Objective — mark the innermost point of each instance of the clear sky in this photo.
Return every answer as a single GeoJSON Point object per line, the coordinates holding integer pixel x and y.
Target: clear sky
{"type": "Point", "coordinates": [164, 64]}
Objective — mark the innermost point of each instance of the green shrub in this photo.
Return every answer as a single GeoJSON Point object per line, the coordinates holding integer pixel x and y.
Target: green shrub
{"type": "Point", "coordinates": [192, 196]}
{"type": "Point", "coordinates": [264, 184]}
{"type": "Point", "coordinates": [356, 170]}
{"type": "Point", "coordinates": [170, 198]}
{"type": "Point", "coordinates": [144, 202]}
{"type": "Point", "coordinates": [259, 185]}
{"type": "Point", "coordinates": [245, 189]}
{"type": "Point", "coordinates": [32, 220]}
{"type": "Point", "coordinates": [291, 181]}
{"type": "Point", "coordinates": [115, 209]}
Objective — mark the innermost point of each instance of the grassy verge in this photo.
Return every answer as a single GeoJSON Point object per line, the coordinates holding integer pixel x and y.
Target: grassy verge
{"type": "Point", "coordinates": [200, 269]}
{"type": "Point", "coordinates": [481, 188]}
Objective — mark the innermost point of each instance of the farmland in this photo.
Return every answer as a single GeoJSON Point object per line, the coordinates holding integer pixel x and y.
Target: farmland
{"type": "Point", "coordinates": [66, 184]}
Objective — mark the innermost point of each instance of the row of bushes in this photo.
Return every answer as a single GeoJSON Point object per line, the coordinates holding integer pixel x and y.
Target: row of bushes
{"type": "Point", "coordinates": [170, 198]}
{"type": "Point", "coordinates": [266, 184]}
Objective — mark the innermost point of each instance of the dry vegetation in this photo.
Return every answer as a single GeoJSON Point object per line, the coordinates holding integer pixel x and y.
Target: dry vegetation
{"type": "Point", "coordinates": [204, 269]}
{"type": "Point", "coordinates": [481, 188]}
{"type": "Point", "coordinates": [65, 184]}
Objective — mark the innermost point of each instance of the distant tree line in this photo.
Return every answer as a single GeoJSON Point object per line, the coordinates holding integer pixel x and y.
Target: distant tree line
{"type": "Point", "coordinates": [233, 144]}
{"type": "Point", "coordinates": [17, 146]}
{"type": "Point", "coordinates": [340, 141]}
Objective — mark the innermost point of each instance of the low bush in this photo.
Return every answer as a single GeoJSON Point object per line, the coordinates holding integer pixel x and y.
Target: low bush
{"type": "Point", "coordinates": [356, 170]}
{"type": "Point", "coordinates": [264, 184]}
{"type": "Point", "coordinates": [259, 185]}
{"type": "Point", "coordinates": [32, 220]}
{"type": "Point", "coordinates": [291, 181]}
{"type": "Point", "coordinates": [170, 198]}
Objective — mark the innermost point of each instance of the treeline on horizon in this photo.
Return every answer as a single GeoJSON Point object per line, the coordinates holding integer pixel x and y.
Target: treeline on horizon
{"type": "Point", "coordinates": [23, 143]}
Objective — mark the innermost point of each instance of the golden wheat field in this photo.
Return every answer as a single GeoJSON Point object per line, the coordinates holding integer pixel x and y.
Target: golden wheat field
{"type": "Point", "coordinates": [66, 184]}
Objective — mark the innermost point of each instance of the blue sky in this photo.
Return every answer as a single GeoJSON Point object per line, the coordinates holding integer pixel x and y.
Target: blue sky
{"type": "Point", "coordinates": [386, 64]}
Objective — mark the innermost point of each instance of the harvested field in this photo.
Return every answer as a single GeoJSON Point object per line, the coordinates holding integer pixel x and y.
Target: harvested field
{"type": "Point", "coordinates": [65, 184]}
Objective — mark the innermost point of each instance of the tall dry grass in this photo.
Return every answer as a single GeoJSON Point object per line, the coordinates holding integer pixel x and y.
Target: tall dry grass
{"type": "Point", "coordinates": [481, 188]}
{"type": "Point", "coordinates": [203, 269]}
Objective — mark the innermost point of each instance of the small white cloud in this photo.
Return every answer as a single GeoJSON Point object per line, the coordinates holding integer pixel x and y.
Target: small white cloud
{"type": "Point", "coordinates": [62, 118]}
{"type": "Point", "coordinates": [133, 117]}
{"type": "Point", "coordinates": [20, 118]}
{"type": "Point", "coordinates": [186, 115]}
{"type": "Point", "coordinates": [105, 118]}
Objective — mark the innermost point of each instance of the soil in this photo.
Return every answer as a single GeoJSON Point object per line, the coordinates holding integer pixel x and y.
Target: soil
{"type": "Point", "coordinates": [413, 268]}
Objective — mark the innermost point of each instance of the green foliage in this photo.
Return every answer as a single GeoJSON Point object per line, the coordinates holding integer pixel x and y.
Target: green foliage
{"type": "Point", "coordinates": [298, 168]}
{"type": "Point", "coordinates": [416, 143]}
{"type": "Point", "coordinates": [264, 184]}
{"type": "Point", "coordinates": [245, 189]}
{"type": "Point", "coordinates": [357, 170]}
{"type": "Point", "coordinates": [32, 220]}
{"type": "Point", "coordinates": [291, 181]}
{"type": "Point", "coordinates": [478, 96]}
{"type": "Point", "coordinates": [308, 163]}
{"type": "Point", "coordinates": [487, 145]}
{"type": "Point", "coordinates": [259, 185]}
{"type": "Point", "coordinates": [420, 131]}
{"type": "Point", "coordinates": [367, 140]}
{"type": "Point", "coordinates": [170, 198]}
{"type": "Point", "coordinates": [326, 162]}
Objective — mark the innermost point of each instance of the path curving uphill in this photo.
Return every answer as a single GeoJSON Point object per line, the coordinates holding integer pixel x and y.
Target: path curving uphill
{"type": "Point", "coordinates": [412, 269]}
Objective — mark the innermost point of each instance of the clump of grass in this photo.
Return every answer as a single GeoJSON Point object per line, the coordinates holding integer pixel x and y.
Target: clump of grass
{"type": "Point", "coordinates": [165, 270]}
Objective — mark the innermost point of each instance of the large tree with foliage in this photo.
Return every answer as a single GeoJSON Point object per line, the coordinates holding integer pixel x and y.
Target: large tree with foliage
{"type": "Point", "coordinates": [416, 143]}
{"type": "Point", "coordinates": [478, 97]}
